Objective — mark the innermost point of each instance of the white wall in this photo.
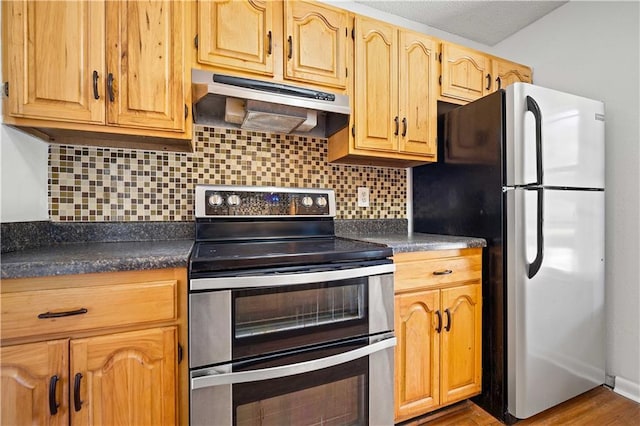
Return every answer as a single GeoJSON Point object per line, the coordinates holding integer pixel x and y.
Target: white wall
{"type": "Point", "coordinates": [593, 49]}
{"type": "Point", "coordinates": [23, 177]}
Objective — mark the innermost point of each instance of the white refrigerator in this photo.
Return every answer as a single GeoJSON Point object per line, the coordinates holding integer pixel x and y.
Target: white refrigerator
{"type": "Point", "coordinates": [524, 169]}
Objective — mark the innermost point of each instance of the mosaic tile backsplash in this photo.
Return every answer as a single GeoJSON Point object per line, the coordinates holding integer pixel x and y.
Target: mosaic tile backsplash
{"type": "Point", "coordinates": [88, 184]}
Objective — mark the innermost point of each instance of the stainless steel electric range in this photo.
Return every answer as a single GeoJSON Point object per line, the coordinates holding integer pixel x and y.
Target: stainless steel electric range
{"type": "Point", "coordinates": [288, 324]}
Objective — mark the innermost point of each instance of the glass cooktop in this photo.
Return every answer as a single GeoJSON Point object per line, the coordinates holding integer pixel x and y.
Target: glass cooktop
{"type": "Point", "coordinates": [220, 256]}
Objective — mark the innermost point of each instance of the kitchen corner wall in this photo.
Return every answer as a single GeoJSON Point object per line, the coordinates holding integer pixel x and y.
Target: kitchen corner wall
{"type": "Point", "coordinates": [104, 184]}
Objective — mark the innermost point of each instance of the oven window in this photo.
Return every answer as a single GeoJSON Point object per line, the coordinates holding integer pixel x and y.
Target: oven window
{"type": "Point", "coordinates": [333, 396]}
{"type": "Point", "coordinates": [263, 312]}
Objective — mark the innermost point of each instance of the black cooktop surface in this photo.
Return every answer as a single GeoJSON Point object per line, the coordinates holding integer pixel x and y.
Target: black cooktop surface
{"type": "Point", "coordinates": [221, 256]}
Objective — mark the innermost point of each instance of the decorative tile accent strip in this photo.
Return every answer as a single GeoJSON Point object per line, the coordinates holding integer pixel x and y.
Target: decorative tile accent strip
{"type": "Point", "coordinates": [88, 184]}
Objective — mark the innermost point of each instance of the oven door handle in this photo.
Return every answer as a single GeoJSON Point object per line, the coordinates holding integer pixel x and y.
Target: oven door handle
{"type": "Point", "coordinates": [215, 378]}
{"type": "Point", "coordinates": [273, 280]}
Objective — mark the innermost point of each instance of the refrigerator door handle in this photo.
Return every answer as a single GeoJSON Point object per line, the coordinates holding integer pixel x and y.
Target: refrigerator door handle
{"type": "Point", "coordinates": [534, 267]}
{"type": "Point", "coordinates": [532, 106]}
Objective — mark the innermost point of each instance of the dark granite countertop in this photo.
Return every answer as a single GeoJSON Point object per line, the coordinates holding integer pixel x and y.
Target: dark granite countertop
{"type": "Point", "coordinates": [89, 257]}
{"type": "Point", "coordinates": [36, 249]}
{"type": "Point", "coordinates": [402, 242]}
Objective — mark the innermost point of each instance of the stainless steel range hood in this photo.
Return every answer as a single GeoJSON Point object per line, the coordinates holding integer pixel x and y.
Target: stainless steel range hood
{"type": "Point", "coordinates": [222, 100]}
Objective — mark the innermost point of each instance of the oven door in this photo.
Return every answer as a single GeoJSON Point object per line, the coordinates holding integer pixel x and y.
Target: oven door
{"type": "Point", "coordinates": [349, 383]}
{"type": "Point", "coordinates": [239, 317]}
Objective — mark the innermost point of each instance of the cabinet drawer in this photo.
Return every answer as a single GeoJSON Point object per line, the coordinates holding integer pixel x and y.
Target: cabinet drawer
{"type": "Point", "coordinates": [40, 312]}
{"type": "Point", "coordinates": [413, 274]}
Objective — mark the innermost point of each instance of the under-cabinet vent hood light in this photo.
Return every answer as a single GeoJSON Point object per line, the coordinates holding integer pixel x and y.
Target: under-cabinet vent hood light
{"type": "Point", "coordinates": [221, 100]}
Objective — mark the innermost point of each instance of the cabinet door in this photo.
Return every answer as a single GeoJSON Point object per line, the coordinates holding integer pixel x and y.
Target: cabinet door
{"type": "Point", "coordinates": [238, 35]}
{"type": "Point", "coordinates": [465, 73]}
{"type": "Point", "coordinates": [316, 43]}
{"type": "Point", "coordinates": [418, 93]}
{"type": "Point", "coordinates": [53, 50]}
{"type": "Point", "coordinates": [27, 372]}
{"type": "Point", "coordinates": [127, 378]}
{"type": "Point", "coordinates": [506, 73]}
{"type": "Point", "coordinates": [461, 350]}
{"type": "Point", "coordinates": [417, 353]}
{"type": "Point", "coordinates": [376, 85]}
{"type": "Point", "coordinates": [145, 57]}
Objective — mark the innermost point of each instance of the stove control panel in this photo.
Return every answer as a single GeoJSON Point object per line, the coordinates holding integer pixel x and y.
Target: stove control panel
{"type": "Point", "coordinates": [239, 201]}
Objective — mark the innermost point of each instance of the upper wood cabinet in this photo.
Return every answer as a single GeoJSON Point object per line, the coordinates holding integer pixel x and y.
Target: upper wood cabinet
{"type": "Point", "coordinates": [238, 34]}
{"type": "Point", "coordinates": [145, 64]}
{"type": "Point", "coordinates": [302, 41]}
{"type": "Point", "coordinates": [394, 100]}
{"type": "Point", "coordinates": [506, 73]}
{"type": "Point", "coordinates": [109, 67]}
{"type": "Point", "coordinates": [466, 73]}
{"type": "Point", "coordinates": [438, 323]}
{"type": "Point", "coordinates": [54, 60]}
{"type": "Point", "coordinates": [316, 39]}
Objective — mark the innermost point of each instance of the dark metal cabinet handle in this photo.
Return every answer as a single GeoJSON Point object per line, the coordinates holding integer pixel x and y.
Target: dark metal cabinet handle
{"type": "Point", "coordinates": [395, 120]}
{"type": "Point", "coordinates": [290, 41]}
{"type": "Point", "coordinates": [448, 326]}
{"type": "Point", "coordinates": [110, 87]}
{"type": "Point", "coordinates": [488, 81]}
{"type": "Point", "coordinates": [47, 315]}
{"type": "Point", "coordinates": [445, 272]}
{"type": "Point", "coordinates": [270, 44]}
{"type": "Point", "coordinates": [439, 327]}
{"type": "Point", "coordinates": [95, 85]}
{"type": "Point", "coordinates": [499, 83]}
{"type": "Point", "coordinates": [404, 127]}
{"type": "Point", "coordinates": [53, 405]}
{"type": "Point", "coordinates": [77, 403]}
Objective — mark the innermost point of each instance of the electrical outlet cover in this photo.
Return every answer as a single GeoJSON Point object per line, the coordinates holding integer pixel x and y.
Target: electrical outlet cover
{"type": "Point", "coordinates": [363, 196]}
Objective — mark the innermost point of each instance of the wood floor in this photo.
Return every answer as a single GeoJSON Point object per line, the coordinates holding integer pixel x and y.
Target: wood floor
{"type": "Point", "coordinates": [598, 407]}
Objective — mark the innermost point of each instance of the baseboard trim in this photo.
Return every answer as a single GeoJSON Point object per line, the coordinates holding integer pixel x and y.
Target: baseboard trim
{"type": "Point", "coordinates": [627, 388]}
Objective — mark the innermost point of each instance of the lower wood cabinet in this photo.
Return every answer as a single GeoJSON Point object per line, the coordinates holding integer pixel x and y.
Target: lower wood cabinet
{"type": "Point", "coordinates": [120, 375]}
{"type": "Point", "coordinates": [438, 323]}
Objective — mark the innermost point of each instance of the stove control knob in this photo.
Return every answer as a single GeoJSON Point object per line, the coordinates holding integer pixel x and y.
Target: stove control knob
{"type": "Point", "coordinates": [215, 200]}
{"type": "Point", "coordinates": [307, 201]}
{"type": "Point", "coordinates": [233, 200]}
{"type": "Point", "coordinates": [321, 201]}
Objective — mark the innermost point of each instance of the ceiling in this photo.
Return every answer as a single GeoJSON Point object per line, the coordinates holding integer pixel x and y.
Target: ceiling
{"type": "Point", "coordinates": [487, 22]}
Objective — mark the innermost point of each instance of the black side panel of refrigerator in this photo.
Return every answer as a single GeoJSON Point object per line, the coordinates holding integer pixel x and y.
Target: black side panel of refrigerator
{"type": "Point", "coordinates": [461, 194]}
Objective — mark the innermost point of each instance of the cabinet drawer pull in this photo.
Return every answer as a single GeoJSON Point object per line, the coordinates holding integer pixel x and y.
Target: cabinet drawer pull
{"type": "Point", "coordinates": [395, 132]}
{"type": "Point", "coordinates": [439, 327]}
{"type": "Point", "coordinates": [63, 314]}
{"type": "Point", "coordinates": [290, 42]}
{"type": "Point", "coordinates": [53, 404]}
{"type": "Point", "coordinates": [445, 272]}
{"type": "Point", "coordinates": [448, 326]}
{"type": "Point", "coordinates": [488, 81]}
{"type": "Point", "coordinates": [270, 43]}
{"type": "Point", "coordinates": [499, 82]}
{"type": "Point", "coordinates": [404, 127]}
{"type": "Point", "coordinates": [77, 403]}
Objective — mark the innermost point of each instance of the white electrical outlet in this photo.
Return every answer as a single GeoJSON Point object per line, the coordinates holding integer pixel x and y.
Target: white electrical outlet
{"type": "Point", "coordinates": [363, 196]}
